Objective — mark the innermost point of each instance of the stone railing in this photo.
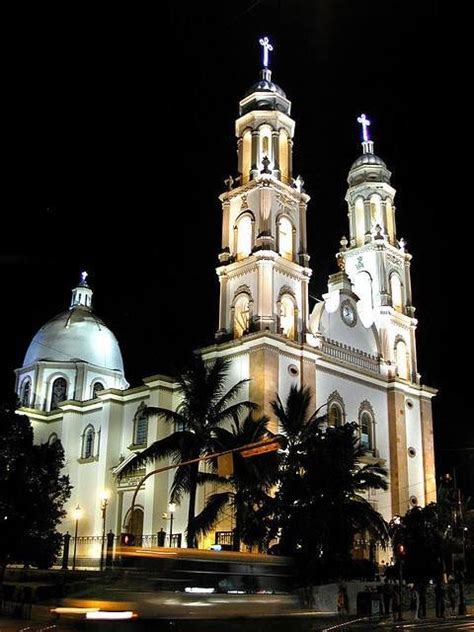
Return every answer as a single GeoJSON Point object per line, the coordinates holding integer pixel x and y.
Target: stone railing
{"type": "Point", "coordinates": [350, 355]}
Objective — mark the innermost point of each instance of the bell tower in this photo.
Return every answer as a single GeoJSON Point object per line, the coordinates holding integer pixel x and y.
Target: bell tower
{"type": "Point", "coordinates": [377, 262]}
{"type": "Point", "coordinates": [263, 269]}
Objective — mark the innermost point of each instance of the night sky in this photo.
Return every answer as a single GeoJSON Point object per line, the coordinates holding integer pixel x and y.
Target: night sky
{"type": "Point", "coordinates": [120, 131]}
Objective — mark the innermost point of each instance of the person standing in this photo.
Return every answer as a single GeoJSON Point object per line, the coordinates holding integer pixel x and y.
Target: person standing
{"type": "Point", "coordinates": [439, 598]}
{"type": "Point", "coordinates": [386, 596]}
{"type": "Point", "coordinates": [451, 595]}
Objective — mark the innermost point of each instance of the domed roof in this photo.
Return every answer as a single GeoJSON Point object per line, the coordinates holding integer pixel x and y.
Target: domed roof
{"type": "Point", "coordinates": [368, 159]}
{"type": "Point", "coordinates": [76, 334]}
{"type": "Point", "coordinates": [264, 85]}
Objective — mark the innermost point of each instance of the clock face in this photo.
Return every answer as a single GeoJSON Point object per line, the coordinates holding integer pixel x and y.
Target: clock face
{"type": "Point", "coordinates": [348, 313]}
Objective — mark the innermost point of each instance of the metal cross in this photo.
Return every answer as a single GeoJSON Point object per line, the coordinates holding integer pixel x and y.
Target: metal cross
{"type": "Point", "coordinates": [364, 121]}
{"type": "Point", "coordinates": [84, 276]}
{"type": "Point", "coordinates": [264, 41]}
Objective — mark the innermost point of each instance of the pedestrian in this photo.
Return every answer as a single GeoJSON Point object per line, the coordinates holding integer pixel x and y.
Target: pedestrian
{"type": "Point", "coordinates": [386, 596]}
{"type": "Point", "coordinates": [451, 595]}
{"type": "Point", "coordinates": [342, 600]}
{"type": "Point", "coordinates": [420, 587]}
{"type": "Point", "coordinates": [414, 601]}
{"type": "Point", "coordinates": [439, 598]}
{"type": "Point", "coordinates": [396, 603]}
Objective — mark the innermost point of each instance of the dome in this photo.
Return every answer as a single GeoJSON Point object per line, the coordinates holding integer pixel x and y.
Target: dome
{"type": "Point", "coordinates": [76, 335]}
{"type": "Point", "coordinates": [368, 159]}
{"type": "Point", "coordinates": [265, 85]}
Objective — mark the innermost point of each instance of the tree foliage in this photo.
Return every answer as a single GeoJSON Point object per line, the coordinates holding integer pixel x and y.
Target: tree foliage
{"type": "Point", "coordinates": [321, 502]}
{"type": "Point", "coordinates": [32, 493]}
{"type": "Point", "coordinates": [246, 491]}
{"type": "Point", "coordinates": [207, 404]}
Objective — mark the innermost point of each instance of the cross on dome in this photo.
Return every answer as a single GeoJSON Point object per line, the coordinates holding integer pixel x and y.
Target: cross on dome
{"type": "Point", "coordinates": [265, 43]}
{"type": "Point", "coordinates": [364, 121]}
{"type": "Point", "coordinates": [84, 276]}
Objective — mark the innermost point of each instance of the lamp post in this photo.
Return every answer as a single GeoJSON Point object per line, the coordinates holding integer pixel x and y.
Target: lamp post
{"type": "Point", "coordinates": [104, 500]}
{"type": "Point", "coordinates": [77, 513]}
{"type": "Point", "coordinates": [171, 509]}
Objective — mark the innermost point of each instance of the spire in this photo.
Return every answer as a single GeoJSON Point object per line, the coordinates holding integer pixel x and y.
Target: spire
{"type": "Point", "coordinates": [367, 144]}
{"type": "Point", "coordinates": [82, 294]}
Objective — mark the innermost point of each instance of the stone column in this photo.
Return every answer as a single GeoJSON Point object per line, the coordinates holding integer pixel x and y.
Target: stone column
{"type": "Point", "coordinates": [428, 450]}
{"type": "Point", "coordinates": [398, 451]}
{"type": "Point", "coordinates": [263, 386]}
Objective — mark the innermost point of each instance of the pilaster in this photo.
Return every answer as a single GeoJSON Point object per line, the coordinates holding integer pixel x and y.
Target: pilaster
{"type": "Point", "coordinates": [398, 452]}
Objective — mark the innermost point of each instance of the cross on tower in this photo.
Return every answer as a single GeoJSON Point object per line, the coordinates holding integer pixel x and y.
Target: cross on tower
{"type": "Point", "coordinates": [265, 42]}
{"type": "Point", "coordinates": [364, 121]}
{"type": "Point", "coordinates": [84, 276]}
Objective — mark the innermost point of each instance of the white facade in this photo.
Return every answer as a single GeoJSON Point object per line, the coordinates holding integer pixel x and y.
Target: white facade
{"type": "Point", "coordinates": [356, 349]}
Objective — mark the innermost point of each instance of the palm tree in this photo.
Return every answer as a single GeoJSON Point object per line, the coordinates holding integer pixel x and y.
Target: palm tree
{"type": "Point", "coordinates": [247, 489]}
{"type": "Point", "coordinates": [206, 406]}
{"type": "Point", "coordinates": [321, 503]}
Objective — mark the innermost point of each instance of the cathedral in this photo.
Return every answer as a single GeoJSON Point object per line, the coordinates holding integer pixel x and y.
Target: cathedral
{"type": "Point", "coordinates": [355, 349]}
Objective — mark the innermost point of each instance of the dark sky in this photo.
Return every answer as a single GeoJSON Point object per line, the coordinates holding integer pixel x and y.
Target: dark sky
{"type": "Point", "coordinates": [119, 134]}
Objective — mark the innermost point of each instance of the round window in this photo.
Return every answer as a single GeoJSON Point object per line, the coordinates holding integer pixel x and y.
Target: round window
{"type": "Point", "coordinates": [293, 370]}
{"type": "Point", "coordinates": [411, 452]}
{"type": "Point", "coordinates": [409, 403]}
{"type": "Point", "coordinates": [413, 501]}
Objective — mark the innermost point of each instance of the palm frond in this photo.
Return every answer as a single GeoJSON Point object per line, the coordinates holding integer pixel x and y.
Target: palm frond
{"type": "Point", "coordinates": [215, 505]}
{"type": "Point", "coordinates": [171, 447]}
{"type": "Point", "coordinates": [170, 416]}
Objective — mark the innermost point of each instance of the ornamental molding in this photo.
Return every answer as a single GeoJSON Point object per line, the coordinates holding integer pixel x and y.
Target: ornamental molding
{"type": "Point", "coordinates": [242, 289]}
{"type": "Point", "coordinates": [336, 398]}
{"type": "Point", "coordinates": [286, 289]}
{"type": "Point", "coordinates": [366, 407]}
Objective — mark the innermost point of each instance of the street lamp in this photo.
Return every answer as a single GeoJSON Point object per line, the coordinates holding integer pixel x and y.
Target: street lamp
{"type": "Point", "coordinates": [104, 500]}
{"type": "Point", "coordinates": [171, 509]}
{"type": "Point", "coordinates": [77, 513]}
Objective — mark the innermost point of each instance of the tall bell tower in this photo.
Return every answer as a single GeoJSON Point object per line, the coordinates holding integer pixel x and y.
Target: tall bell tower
{"type": "Point", "coordinates": [263, 269]}
{"type": "Point", "coordinates": [378, 265]}
{"type": "Point", "coordinates": [377, 262]}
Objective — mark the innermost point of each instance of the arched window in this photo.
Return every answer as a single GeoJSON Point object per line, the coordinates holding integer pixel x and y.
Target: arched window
{"type": "Point", "coordinates": [88, 440]}
{"type": "Point", "coordinates": [363, 289]}
{"type": "Point", "coordinates": [140, 429]}
{"type": "Point", "coordinates": [284, 156]}
{"type": "Point", "coordinates": [244, 237]}
{"type": "Point", "coordinates": [97, 387]}
{"type": "Point", "coordinates": [25, 392]}
{"type": "Point", "coordinates": [241, 315]}
{"type": "Point", "coordinates": [376, 211]}
{"type": "Point", "coordinates": [246, 155]}
{"type": "Point", "coordinates": [285, 238]}
{"type": "Point", "coordinates": [359, 213]}
{"type": "Point", "coordinates": [287, 316]}
{"type": "Point", "coordinates": [366, 430]}
{"type": "Point", "coordinates": [396, 290]}
{"type": "Point", "coordinates": [402, 359]}
{"type": "Point", "coordinates": [335, 415]}
{"type": "Point", "coordinates": [58, 392]}
{"type": "Point", "coordinates": [53, 437]}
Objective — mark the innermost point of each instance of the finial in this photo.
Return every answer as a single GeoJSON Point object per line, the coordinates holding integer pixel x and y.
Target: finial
{"type": "Point", "coordinates": [343, 243]}
{"type": "Point", "coordinates": [402, 244]}
{"type": "Point", "coordinates": [378, 232]}
{"type": "Point", "coordinates": [364, 121]}
{"type": "Point", "coordinates": [229, 182]}
{"type": "Point", "coordinates": [341, 264]}
{"type": "Point", "coordinates": [265, 163]}
{"type": "Point", "coordinates": [265, 42]}
{"type": "Point", "coordinates": [299, 183]}
{"type": "Point", "coordinates": [367, 144]}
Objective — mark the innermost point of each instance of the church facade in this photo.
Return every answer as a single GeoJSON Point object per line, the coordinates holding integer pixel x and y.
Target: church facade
{"type": "Point", "coordinates": [356, 349]}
